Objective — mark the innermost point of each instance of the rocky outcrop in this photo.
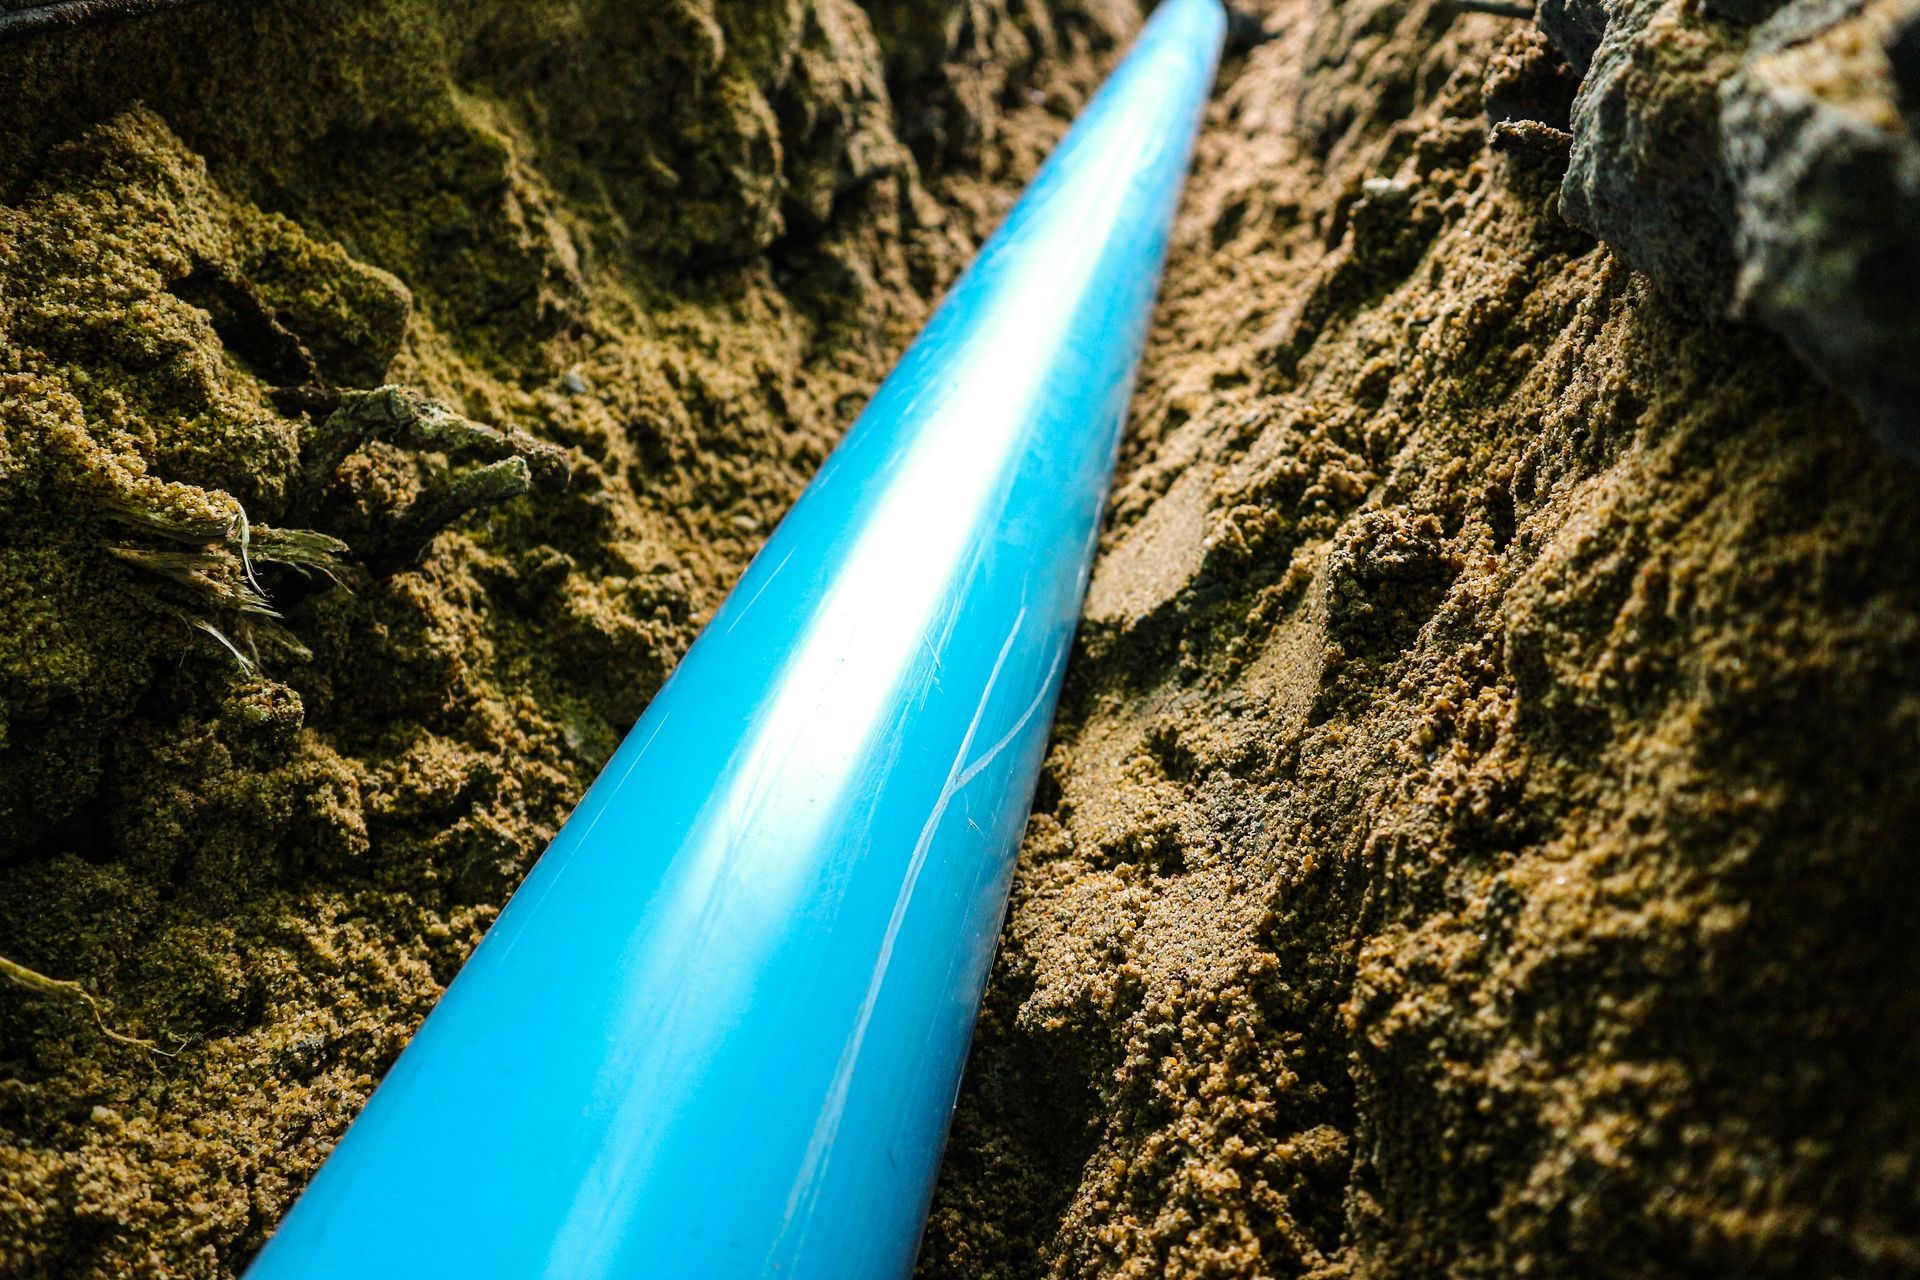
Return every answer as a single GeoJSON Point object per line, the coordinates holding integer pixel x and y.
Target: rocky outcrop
{"type": "Point", "coordinates": [1818, 137]}
{"type": "Point", "coordinates": [1761, 159]}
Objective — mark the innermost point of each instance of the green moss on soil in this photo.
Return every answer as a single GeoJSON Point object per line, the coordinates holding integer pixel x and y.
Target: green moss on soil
{"type": "Point", "coordinates": [297, 676]}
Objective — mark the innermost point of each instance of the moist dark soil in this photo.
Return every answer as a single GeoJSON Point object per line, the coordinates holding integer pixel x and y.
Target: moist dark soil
{"type": "Point", "coordinates": [388, 391]}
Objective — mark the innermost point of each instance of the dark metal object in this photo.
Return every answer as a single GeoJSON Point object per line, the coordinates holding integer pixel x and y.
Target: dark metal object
{"type": "Point", "coordinates": [1498, 8]}
{"type": "Point", "coordinates": [1246, 31]}
{"type": "Point", "coordinates": [79, 13]}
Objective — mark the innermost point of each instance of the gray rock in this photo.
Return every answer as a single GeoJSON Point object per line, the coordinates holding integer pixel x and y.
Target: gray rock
{"type": "Point", "coordinates": [1575, 26]}
{"type": "Point", "coordinates": [1820, 147]}
{"type": "Point", "coordinates": [1645, 172]}
{"type": "Point", "coordinates": [1770, 172]}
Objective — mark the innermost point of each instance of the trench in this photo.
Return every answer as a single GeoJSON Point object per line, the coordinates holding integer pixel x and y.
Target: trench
{"type": "Point", "coordinates": [1474, 838]}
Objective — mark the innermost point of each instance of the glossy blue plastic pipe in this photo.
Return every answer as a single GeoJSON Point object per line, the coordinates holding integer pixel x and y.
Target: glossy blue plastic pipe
{"type": "Point", "coordinates": [719, 1030]}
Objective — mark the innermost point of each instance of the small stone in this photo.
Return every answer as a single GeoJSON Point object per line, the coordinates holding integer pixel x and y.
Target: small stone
{"type": "Point", "coordinates": [1391, 189]}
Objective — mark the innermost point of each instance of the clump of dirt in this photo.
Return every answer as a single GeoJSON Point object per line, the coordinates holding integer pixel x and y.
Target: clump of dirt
{"type": "Point", "coordinates": [1477, 836]}
{"type": "Point", "coordinates": [387, 393]}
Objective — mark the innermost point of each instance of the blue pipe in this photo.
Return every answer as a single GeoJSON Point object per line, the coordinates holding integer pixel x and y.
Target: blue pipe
{"type": "Point", "coordinates": [719, 1030]}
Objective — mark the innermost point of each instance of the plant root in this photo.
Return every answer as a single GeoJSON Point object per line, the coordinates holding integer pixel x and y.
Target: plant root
{"type": "Point", "coordinates": [413, 421]}
{"type": "Point", "coordinates": [514, 463]}
{"type": "Point", "coordinates": [439, 507]}
{"type": "Point", "coordinates": [64, 988]}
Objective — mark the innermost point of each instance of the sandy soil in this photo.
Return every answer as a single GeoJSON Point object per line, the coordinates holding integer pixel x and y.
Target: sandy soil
{"type": "Point", "coordinates": [1476, 836]}
{"type": "Point", "coordinates": [628, 326]}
